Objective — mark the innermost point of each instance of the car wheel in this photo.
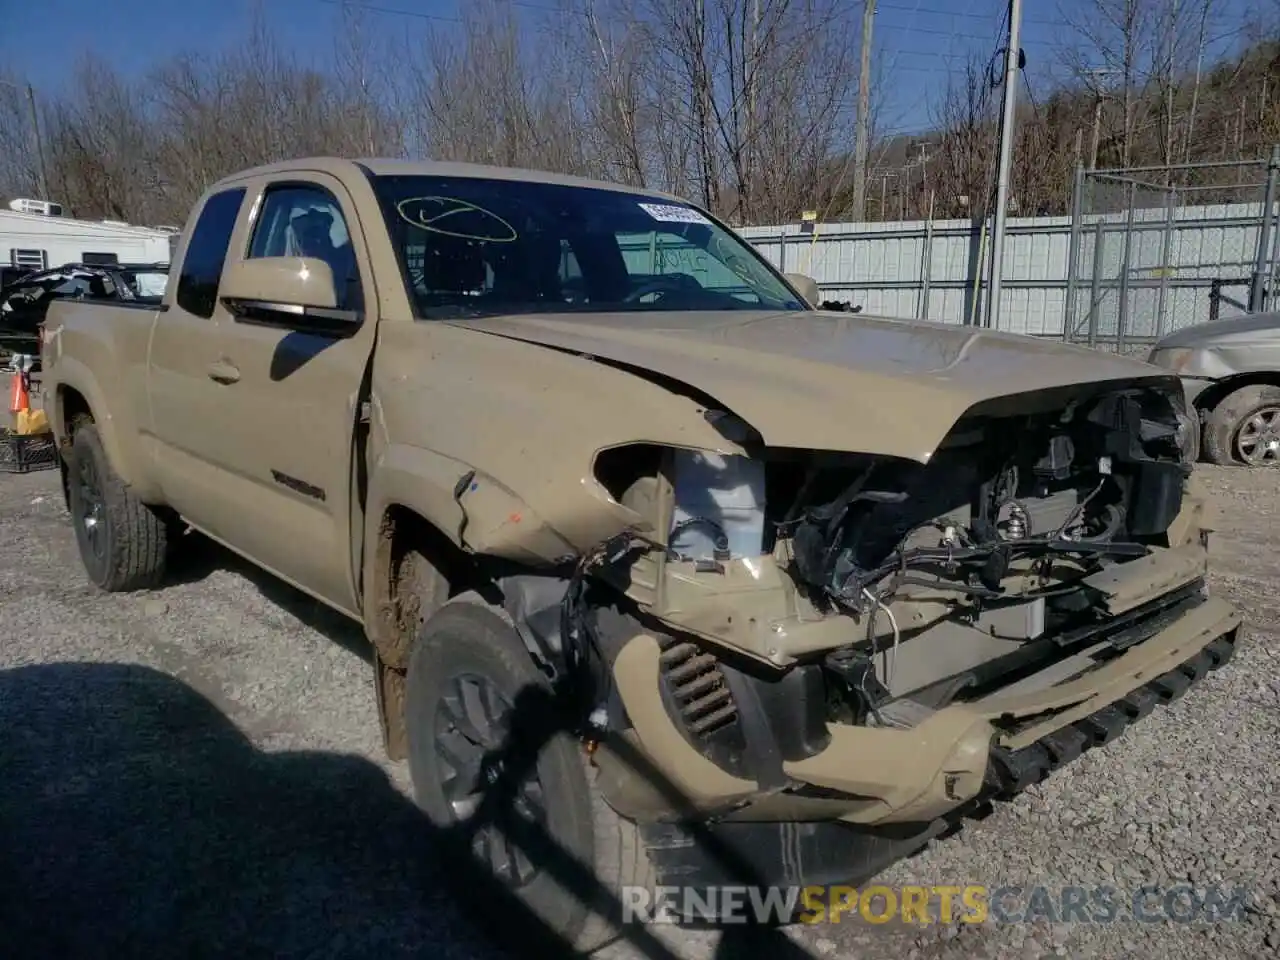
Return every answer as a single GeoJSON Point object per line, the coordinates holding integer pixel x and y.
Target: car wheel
{"type": "Point", "coordinates": [1244, 427]}
{"type": "Point", "coordinates": [122, 541]}
{"type": "Point", "coordinates": [508, 790]}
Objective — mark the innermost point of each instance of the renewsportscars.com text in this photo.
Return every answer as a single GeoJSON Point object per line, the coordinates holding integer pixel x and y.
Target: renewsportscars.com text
{"type": "Point", "coordinates": [923, 905]}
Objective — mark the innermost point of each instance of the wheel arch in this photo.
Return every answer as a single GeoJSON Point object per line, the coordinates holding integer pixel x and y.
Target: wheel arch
{"type": "Point", "coordinates": [78, 394]}
{"type": "Point", "coordinates": [1213, 395]}
{"type": "Point", "coordinates": [417, 532]}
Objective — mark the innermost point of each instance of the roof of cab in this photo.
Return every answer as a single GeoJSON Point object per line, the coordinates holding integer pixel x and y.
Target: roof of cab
{"type": "Point", "coordinates": [339, 166]}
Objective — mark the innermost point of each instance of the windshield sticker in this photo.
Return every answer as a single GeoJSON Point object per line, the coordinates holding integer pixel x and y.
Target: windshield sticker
{"type": "Point", "coordinates": [670, 213]}
{"type": "Point", "coordinates": [452, 217]}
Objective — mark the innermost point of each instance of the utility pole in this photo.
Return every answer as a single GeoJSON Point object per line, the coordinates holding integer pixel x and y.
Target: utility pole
{"type": "Point", "coordinates": [35, 132]}
{"type": "Point", "coordinates": [861, 145]}
{"type": "Point", "coordinates": [1097, 130]}
{"type": "Point", "coordinates": [1012, 60]}
{"type": "Point", "coordinates": [35, 127]}
{"type": "Point", "coordinates": [1098, 76]}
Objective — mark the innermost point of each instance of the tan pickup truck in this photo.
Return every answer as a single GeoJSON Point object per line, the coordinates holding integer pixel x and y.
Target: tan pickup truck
{"type": "Point", "coordinates": [773, 595]}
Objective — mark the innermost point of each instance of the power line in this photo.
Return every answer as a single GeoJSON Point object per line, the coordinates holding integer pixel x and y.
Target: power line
{"type": "Point", "coordinates": [954, 33]}
{"type": "Point", "coordinates": [942, 12]}
{"type": "Point", "coordinates": [542, 8]}
{"type": "Point", "coordinates": [374, 8]}
{"type": "Point", "coordinates": [906, 8]}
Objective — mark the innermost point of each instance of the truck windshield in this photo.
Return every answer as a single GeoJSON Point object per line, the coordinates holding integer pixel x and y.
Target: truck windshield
{"type": "Point", "coordinates": [471, 247]}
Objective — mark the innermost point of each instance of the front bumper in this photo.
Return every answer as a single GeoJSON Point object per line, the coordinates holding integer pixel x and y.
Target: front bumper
{"type": "Point", "coordinates": [926, 771]}
{"type": "Point", "coordinates": [978, 763]}
{"type": "Point", "coordinates": [883, 775]}
{"type": "Point", "coordinates": [789, 854]}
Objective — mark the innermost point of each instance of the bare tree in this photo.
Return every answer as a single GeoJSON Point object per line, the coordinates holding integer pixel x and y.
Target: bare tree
{"type": "Point", "coordinates": [748, 105]}
{"type": "Point", "coordinates": [365, 90]}
{"type": "Point", "coordinates": [497, 94]}
{"type": "Point", "coordinates": [965, 160]}
{"type": "Point", "coordinates": [763, 95]}
{"type": "Point", "coordinates": [100, 146]}
{"type": "Point", "coordinates": [1111, 39]}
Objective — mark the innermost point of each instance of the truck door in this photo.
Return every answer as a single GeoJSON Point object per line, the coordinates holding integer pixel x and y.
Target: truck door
{"type": "Point", "coordinates": [289, 395]}
{"type": "Point", "coordinates": [187, 434]}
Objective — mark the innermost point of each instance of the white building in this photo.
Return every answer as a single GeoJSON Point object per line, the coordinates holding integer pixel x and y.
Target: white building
{"type": "Point", "coordinates": [37, 241]}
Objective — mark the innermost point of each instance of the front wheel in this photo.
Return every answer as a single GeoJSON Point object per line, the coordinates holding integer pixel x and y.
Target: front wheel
{"type": "Point", "coordinates": [122, 541]}
{"type": "Point", "coordinates": [1244, 428]}
{"type": "Point", "coordinates": [508, 788]}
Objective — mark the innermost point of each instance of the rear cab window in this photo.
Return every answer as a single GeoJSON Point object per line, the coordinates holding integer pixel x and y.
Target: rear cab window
{"type": "Point", "coordinates": [201, 269]}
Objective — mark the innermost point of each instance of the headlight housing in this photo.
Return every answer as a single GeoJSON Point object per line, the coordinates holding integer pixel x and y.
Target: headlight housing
{"type": "Point", "coordinates": [719, 506]}
{"type": "Point", "coordinates": [1187, 437]}
{"type": "Point", "coordinates": [1174, 359]}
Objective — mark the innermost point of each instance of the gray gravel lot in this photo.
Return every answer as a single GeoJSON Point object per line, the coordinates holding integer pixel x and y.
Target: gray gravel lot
{"type": "Point", "coordinates": [197, 772]}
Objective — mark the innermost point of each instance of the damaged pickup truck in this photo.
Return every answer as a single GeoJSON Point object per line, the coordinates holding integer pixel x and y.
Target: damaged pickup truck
{"type": "Point", "coordinates": [799, 588]}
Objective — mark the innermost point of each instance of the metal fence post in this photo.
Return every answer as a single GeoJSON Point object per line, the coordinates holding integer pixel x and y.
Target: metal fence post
{"type": "Point", "coordinates": [1273, 275]}
{"type": "Point", "coordinates": [1258, 284]}
{"type": "Point", "coordinates": [926, 266]}
{"type": "Point", "coordinates": [1122, 315]}
{"type": "Point", "coordinates": [1215, 299]}
{"type": "Point", "coordinates": [1073, 252]}
{"type": "Point", "coordinates": [782, 251]}
{"type": "Point", "coordinates": [1166, 254]}
{"type": "Point", "coordinates": [1099, 243]}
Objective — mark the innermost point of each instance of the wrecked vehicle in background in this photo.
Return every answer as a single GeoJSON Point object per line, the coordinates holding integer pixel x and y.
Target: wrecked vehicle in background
{"type": "Point", "coordinates": [1230, 371]}
{"type": "Point", "coordinates": [25, 301]}
{"type": "Point", "coordinates": [800, 585]}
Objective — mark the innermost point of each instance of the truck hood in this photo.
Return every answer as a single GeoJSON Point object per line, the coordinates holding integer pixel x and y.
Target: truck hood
{"type": "Point", "coordinates": [827, 380]}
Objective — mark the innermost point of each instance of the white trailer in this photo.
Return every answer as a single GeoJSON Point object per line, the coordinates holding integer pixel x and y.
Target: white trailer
{"type": "Point", "coordinates": [38, 241]}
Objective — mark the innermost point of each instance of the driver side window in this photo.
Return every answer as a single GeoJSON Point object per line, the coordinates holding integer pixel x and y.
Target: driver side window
{"type": "Point", "coordinates": [305, 220]}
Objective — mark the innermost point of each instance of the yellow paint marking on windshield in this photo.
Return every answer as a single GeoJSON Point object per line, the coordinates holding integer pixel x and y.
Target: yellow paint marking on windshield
{"type": "Point", "coordinates": [455, 207]}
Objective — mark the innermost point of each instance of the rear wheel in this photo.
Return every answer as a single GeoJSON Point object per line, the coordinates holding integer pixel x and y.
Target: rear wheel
{"type": "Point", "coordinates": [508, 787]}
{"type": "Point", "coordinates": [122, 541]}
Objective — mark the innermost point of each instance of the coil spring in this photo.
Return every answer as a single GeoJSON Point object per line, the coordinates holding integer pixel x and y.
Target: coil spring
{"type": "Point", "coordinates": [1017, 525]}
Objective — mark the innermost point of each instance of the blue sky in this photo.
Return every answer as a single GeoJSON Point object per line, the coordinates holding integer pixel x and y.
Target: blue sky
{"type": "Point", "coordinates": [918, 41]}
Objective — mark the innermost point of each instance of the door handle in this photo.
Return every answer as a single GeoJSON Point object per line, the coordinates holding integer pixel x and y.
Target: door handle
{"type": "Point", "coordinates": [224, 371]}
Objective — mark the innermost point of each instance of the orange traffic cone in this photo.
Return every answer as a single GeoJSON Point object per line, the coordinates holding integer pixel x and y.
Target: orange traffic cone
{"type": "Point", "coordinates": [19, 398]}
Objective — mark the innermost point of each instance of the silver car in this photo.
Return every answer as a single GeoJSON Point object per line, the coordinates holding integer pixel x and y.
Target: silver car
{"type": "Point", "coordinates": [1230, 371]}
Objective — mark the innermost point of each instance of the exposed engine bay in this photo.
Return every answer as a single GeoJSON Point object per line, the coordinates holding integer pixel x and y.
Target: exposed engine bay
{"type": "Point", "coordinates": [1000, 495]}
{"type": "Point", "coordinates": [884, 590]}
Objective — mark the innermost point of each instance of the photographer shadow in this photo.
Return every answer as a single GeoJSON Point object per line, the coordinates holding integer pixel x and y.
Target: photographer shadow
{"type": "Point", "coordinates": [137, 821]}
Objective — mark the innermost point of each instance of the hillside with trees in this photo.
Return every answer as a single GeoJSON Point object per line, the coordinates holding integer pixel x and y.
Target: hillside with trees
{"type": "Point", "coordinates": [748, 107]}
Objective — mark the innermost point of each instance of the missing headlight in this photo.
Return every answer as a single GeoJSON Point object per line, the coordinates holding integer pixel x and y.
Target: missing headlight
{"type": "Point", "coordinates": [719, 506]}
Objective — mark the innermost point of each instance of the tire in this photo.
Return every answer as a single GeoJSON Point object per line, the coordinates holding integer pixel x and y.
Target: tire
{"type": "Point", "coordinates": [123, 543]}
{"type": "Point", "coordinates": [422, 590]}
{"type": "Point", "coordinates": [464, 642]}
{"type": "Point", "coordinates": [1233, 412]}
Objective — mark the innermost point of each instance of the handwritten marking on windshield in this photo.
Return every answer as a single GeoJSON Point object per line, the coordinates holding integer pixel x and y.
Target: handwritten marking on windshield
{"type": "Point", "coordinates": [430, 211]}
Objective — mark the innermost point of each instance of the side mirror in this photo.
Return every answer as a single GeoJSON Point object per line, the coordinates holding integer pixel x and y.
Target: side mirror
{"type": "Point", "coordinates": [283, 289]}
{"type": "Point", "coordinates": [806, 286]}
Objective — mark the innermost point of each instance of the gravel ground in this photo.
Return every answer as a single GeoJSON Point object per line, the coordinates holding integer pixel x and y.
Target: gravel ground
{"type": "Point", "coordinates": [196, 772]}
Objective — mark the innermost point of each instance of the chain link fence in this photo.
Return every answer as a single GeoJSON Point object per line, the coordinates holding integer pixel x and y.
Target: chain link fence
{"type": "Point", "coordinates": [1156, 249]}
